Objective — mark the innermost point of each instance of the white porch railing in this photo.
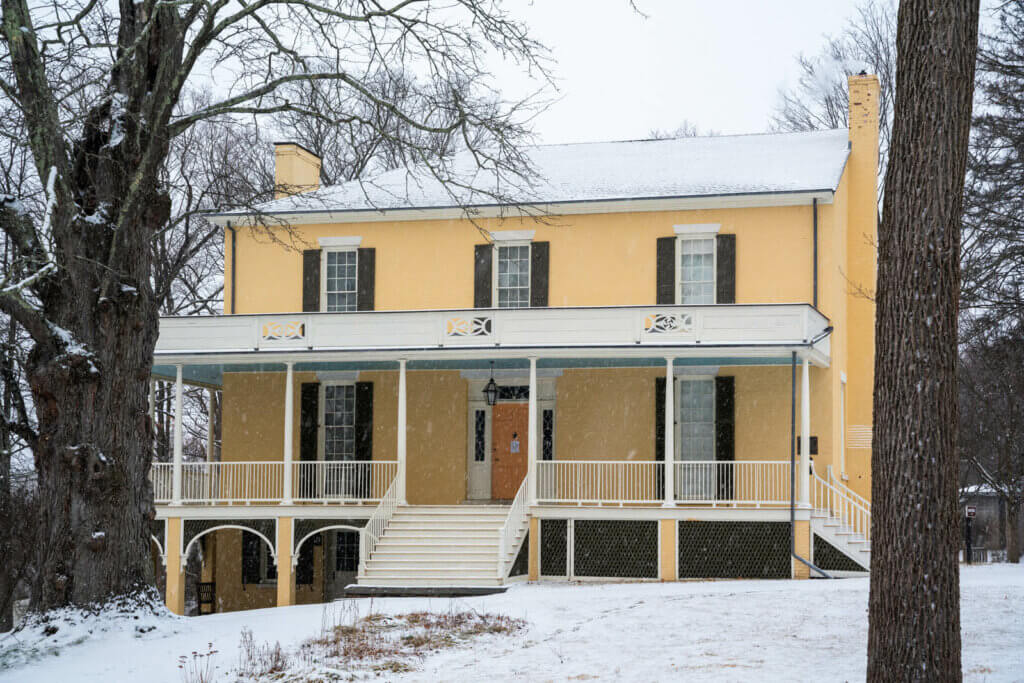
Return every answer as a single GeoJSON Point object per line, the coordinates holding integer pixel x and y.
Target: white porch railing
{"type": "Point", "coordinates": [599, 481]}
{"type": "Point", "coordinates": [161, 476]}
{"type": "Point", "coordinates": [378, 521]}
{"type": "Point", "coordinates": [838, 501]}
{"type": "Point", "coordinates": [232, 482]}
{"type": "Point", "coordinates": [517, 515]}
{"type": "Point", "coordinates": [632, 482]}
{"type": "Point", "coordinates": [333, 481]}
{"type": "Point", "coordinates": [263, 482]}
{"type": "Point", "coordinates": [750, 482]}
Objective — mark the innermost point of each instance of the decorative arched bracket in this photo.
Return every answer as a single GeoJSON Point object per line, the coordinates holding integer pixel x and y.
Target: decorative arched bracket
{"type": "Point", "coordinates": [304, 529]}
{"type": "Point", "coordinates": [194, 529]}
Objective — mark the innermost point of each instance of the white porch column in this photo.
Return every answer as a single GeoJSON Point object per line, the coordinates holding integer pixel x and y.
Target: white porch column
{"type": "Point", "coordinates": [670, 434]}
{"type": "Point", "coordinates": [212, 394]}
{"type": "Point", "coordinates": [805, 436]}
{"type": "Point", "coordinates": [289, 419]}
{"type": "Point", "coordinates": [176, 474]}
{"type": "Point", "coordinates": [152, 402]}
{"type": "Point", "coordinates": [401, 432]}
{"type": "Point", "coordinates": [531, 438]}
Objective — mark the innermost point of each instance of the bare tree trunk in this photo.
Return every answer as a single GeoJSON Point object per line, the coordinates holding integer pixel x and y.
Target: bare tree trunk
{"type": "Point", "coordinates": [6, 524]}
{"type": "Point", "coordinates": [7, 580]}
{"type": "Point", "coordinates": [914, 607]}
{"type": "Point", "coordinates": [1012, 530]}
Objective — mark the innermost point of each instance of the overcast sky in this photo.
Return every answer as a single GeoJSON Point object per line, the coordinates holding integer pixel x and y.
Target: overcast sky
{"type": "Point", "coordinates": [717, 63]}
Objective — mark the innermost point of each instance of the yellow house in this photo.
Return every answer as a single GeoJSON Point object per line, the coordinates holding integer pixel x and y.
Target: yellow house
{"type": "Point", "coordinates": [431, 389]}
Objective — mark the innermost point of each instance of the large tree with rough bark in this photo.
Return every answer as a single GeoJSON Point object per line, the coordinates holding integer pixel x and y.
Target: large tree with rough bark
{"type": "Point", "coordinates": [101, 92]}
{"type": "Point", "coordinates": [914, 605]}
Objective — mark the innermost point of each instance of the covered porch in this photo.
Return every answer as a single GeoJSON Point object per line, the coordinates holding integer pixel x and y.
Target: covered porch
{"type": "Point", "coordinates": [574, 406]}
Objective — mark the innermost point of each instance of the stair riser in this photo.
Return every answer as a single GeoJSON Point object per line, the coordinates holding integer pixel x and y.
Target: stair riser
{"type": "Point", "coordinates": [440, 566]}
{"type": "Point", "coordinates": [438, 582]}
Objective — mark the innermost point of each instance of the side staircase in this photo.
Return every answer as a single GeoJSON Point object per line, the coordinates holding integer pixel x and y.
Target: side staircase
{"type": "Point", "coordinates": [442, 546]}
{"type": "Point", "coordinates": [842, 519]}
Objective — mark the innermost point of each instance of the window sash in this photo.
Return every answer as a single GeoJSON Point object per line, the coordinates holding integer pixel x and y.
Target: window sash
{"type": "Point", "coordinates": [346, 551]}
{"type": "Point", "coordinates": [339, 280]}
{"type": "Point", "coordinates": [696, 266]}
{"type": "Point", "coordinates": [512, 276]}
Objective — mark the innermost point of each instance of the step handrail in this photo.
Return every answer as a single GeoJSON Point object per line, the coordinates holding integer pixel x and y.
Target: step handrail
{"type": "Point", "coordinates": [844, 487]}
{"type": "Point", "coordinates": [837, 502]}
{"type": "Point", "coordinates": [517, 515]}
{"type": "Point", "coordinates": [378, 521]}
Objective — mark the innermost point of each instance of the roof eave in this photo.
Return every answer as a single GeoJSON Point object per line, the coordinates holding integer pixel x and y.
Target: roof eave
{"type": "Point", "coordinates": [561, 208]}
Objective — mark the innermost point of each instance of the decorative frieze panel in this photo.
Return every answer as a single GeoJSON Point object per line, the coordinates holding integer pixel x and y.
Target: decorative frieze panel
{"type": "Point", "coordinates": [475, 326]}
{"type": "Point", "coordinates": [281, 330]}
{"type": "Point", "coordinates": [668, 323]}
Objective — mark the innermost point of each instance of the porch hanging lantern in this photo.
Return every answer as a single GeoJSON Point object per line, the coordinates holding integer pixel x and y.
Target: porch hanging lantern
{"type": "Point", "coordinates": [491, 390]}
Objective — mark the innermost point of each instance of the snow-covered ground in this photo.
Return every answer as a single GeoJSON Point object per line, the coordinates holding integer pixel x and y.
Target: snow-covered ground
{"type": "Point", "coordinates": [724, 630]}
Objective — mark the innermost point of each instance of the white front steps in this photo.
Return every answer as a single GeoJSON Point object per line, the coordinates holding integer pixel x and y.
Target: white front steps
{"type": "Point", "coordinates": [438, 546]}
{"type": "Point", "coordinates": [851, 544]}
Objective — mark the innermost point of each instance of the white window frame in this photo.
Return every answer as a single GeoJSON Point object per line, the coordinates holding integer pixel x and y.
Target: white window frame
{"type": "Point", "coordinates": [495, 267]}
{"type": "Point", "coordinates": [324, 251]}
{"type": "Point", "coordinates": [321, 437]}
{"type": "Point", "coordinates": [680, 238]}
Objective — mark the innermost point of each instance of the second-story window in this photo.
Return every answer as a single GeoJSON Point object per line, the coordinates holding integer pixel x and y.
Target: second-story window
{"type": "Point", "coordinates": [340, 280]}
{"type": "Point", "coordinates": [696, 270]}
{"type": "Point", "coordinates": [513, 276]}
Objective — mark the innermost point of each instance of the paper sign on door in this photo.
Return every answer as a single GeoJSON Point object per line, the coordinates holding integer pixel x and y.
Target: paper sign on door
{"type": "Point", "coordinates": [514, 446]}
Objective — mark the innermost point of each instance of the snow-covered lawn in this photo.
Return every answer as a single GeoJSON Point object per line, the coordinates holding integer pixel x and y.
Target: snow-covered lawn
{"type": "Point", "coordinates": [724, 630]}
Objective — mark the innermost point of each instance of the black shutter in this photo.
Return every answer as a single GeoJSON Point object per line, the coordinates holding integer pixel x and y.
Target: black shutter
{"type": "Point", "coordinates": [250, 557]}
{"type": "Point", "coordinates": [725, 432]}
{"type": "Point", "coordinates": [725, 277]}
{"type": "Point", "coordinates": [364, 437]}
{"type": "Point", "coordinates": [366, 265]}
{"type": "Point", "coordinates": [304, 567]}
{"type": "Point", "coordinates": [539, 260]}
{"type": "Point", "coordinates": [310, 280]}
{"type": "Point", "coordinates": [364, 421]}
{"type": "Point", "coordinates": [309, 411]}
{"type": "Point", "coordinates": [659, 433]}
{"type": "Point", "coordinates": [482, 278]}
{"type": "Point", "coordinates": [666, 271]}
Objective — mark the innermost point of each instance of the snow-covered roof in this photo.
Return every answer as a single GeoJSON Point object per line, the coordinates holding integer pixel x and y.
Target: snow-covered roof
{"type": "Point", "coordinates": [607, 171]}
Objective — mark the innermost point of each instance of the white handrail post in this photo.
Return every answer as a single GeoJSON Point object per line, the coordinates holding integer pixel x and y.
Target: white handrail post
{"type": "Point", "coordinates": [289, 409]}
{"type": "Point", "coordinates": [805, 435]}
{"type": "Point", "coordinates": [670, 447]}
{"type": "Point", "coordinates": [401, 432]}
{"type": "Point", "coordinates": [176, 481]}
{"type": "Point", "coordinates": [531, 436]}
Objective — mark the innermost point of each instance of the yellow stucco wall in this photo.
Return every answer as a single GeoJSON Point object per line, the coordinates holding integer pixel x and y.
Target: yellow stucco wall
{"type": "Point", "coordinates": [596, 259]}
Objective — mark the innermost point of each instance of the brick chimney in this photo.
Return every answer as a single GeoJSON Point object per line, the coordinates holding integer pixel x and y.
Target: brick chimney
{"type": "Point", "coordinates": [296, 169]}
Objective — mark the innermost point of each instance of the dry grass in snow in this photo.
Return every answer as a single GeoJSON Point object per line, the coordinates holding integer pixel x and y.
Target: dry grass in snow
{"type": "Point", "coordinates": [351, 645]}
